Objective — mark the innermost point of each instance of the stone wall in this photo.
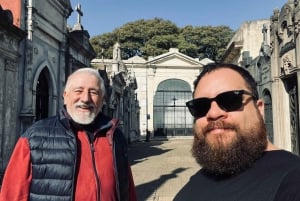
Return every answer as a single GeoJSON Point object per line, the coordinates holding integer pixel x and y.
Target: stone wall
{"type": "Point", "coordinates": [10, 37]}
{"type": "Point", "coordinates": [285, 46]}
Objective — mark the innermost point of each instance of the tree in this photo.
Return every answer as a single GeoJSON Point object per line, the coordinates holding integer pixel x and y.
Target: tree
{"type": "Point", "coordinates": [210, 41]}
{"type": "Point", "coordinates": [156, 36]}
{"type": "Point", "coordinates": [103, 44]}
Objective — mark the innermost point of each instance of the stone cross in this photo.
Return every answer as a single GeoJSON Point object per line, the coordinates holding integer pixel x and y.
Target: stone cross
{"type": "Point", "coordinates": [80, 13]}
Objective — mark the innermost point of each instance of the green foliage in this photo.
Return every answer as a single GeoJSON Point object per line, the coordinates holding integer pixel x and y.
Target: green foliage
{"type": "Point", "coordinates": [156, 36]}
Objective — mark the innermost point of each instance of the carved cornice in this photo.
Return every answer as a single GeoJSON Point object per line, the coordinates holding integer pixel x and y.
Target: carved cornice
{"type": "Point", "coordinates": [286, 48]}
{"type": "Point", "coordinates": [233, 51]}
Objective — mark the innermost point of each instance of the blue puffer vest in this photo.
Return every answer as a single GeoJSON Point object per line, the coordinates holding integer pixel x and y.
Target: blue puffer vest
{"type": "Point", "coordinates": [53, 153]}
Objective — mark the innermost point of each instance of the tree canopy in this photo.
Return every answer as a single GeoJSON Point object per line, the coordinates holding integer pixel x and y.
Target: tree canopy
{"type": "Point", "coordinates": [156, 36]}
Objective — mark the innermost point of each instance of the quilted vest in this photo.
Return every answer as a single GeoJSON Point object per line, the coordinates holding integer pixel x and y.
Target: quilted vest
{"type": "Point", "coordinates": [53, 153]}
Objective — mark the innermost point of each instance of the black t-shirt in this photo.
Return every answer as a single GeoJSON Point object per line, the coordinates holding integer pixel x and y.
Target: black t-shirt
{"type": "Point", "coordinates": [274, 177]}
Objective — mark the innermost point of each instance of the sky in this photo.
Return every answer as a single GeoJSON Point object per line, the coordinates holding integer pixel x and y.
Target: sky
{"type": "Point", "coordinates": [102, 16]}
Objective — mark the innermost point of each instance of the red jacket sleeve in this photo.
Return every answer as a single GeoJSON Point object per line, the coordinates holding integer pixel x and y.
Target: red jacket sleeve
{"type": "Point", "coordinates": [17, 177]}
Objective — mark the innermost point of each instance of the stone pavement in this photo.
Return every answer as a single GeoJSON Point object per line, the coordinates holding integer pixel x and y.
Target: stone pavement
{"type": "Point", "coordinates": [161, 167]}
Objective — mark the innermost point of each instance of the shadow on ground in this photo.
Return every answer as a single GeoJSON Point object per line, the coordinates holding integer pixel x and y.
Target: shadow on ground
{"type": "Point", "coordinates": [144, 191]}
{"type": "Point", "coordinates": [140, 151]}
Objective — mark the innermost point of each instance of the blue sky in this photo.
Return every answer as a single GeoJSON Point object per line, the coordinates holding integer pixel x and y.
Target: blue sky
{"type": "Point", "coordinates": [101, 16]}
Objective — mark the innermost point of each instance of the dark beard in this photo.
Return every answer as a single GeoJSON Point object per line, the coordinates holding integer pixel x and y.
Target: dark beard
{"type": "Point", "coordinates": [232, 158]}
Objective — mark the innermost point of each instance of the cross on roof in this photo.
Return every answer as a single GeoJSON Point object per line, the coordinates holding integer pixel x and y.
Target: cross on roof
{"type": "Point", "coordinates": [80, 13]}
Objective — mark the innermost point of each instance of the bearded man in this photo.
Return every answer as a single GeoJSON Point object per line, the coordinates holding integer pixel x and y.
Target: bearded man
{"type": "Point", "coordinates": [238, 161]}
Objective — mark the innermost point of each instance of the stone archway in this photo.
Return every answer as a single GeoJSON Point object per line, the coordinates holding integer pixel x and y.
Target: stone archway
{"type": "Point", "coordinates": [291, 86]}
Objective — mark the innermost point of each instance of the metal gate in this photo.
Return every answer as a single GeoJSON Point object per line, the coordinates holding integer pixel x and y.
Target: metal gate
{"type": "Point", "coordinates": [170, 115]}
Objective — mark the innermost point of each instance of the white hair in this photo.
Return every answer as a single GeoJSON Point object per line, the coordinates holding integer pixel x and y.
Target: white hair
{"type": "Point", "coordinates": [91, 71]}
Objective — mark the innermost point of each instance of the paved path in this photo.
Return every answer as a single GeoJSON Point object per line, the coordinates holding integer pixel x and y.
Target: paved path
{"type": "Point", "coordinates": [161, 167]}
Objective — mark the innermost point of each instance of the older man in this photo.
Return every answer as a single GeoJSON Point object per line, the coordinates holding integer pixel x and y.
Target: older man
{"type": "Point", "coordinates": [78, 155]}
{"type": "Point", "coordinates": [230, 143]}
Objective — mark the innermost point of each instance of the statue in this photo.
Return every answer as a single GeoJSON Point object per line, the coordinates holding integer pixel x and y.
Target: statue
{"type": "Point", "coordinates": [286, 64]}
{"type": "Point", "coordinates": [265, 31]}
{"type": "Point", "coordinates": [117, 52]}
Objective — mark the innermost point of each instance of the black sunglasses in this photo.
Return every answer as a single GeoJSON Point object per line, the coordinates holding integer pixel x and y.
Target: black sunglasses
{"type": "Point", "coordinates": [228, 101]}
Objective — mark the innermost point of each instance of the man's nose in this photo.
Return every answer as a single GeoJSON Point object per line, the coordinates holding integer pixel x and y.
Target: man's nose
{"type": "Point", "coordinates": [85, 96]}
{"type": "Point", "coordinates": [215, 112]}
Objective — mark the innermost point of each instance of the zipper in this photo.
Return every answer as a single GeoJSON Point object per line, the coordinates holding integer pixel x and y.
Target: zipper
{"type": "Point", "coordinates": [92, 148]}
{"type": "Point", "coordinates": [74, 168]}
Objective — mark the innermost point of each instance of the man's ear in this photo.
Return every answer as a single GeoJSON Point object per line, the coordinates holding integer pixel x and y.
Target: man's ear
{"type": "Point", "coordinates": [64, 96]}
{"type": "Point", "coordinates": [261, 107]}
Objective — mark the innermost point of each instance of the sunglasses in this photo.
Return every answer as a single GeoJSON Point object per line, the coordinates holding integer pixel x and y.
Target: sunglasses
{"type": "Point", "coordinates": [228, 101]}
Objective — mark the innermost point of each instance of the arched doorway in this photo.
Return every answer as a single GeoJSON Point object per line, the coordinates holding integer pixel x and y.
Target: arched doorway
{"type": "Point", "coordinates": [291, 86]}
{"type": "Point", "coordinates": [268, 114]}
{"type": "Point", "coordinates": [42, 95]}
{"type": "Point", "coordinates": [170, 115]}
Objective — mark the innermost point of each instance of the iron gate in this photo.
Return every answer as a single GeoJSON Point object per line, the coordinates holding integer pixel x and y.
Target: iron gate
{"type": "Point", "coordinates": [170, 115]}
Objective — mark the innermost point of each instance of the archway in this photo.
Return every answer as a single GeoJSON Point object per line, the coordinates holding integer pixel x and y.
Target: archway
{"type": "Point", "coordinates": [170, 115]}
{"type": "Point", "coordinates": [42, 95]}
{"type": "Point", "coordinates": [268, 114]}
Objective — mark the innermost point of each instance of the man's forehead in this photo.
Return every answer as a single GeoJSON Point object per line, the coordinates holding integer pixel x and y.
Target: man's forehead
{"type": "Point", "coordinates": [84, 76]}
{"type": "Point", "coordinates": [220, 80]}
{"type": "Point", "coordinates": [222, 74]}
{"type": "Point", "coordinates": [84, 80]}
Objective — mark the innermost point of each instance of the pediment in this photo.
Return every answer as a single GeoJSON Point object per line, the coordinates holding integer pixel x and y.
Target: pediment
{"type": "Point", "coordinates": [174, 61]}
{"type": "Point", "coordinates": [174, 58]}
{"type": "Point", "coordinates": [135, 59]}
